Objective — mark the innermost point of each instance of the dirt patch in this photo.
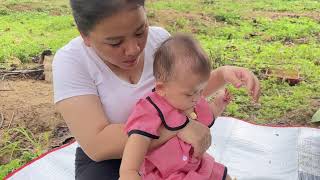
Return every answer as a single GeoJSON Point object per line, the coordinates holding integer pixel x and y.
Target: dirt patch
{"type": "Point", "coordinates": [28, 104]}
{"type": "Point", "coordinates": [27, 98]}
{"type": "Point", "coordinates": [299, 117]}
{"type": "Point", "coordinates": [21, 7]}
{"type": "Point", "coordinates": [37, 7]}
{"type": "Point", "coordinates": [164, 18]}
{"type": "Point", "coordinates": [278, 15]}
{"type": "Point", "coordinates": [291, 42]}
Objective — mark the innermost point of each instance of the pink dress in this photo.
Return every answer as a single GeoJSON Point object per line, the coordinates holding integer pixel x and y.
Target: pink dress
{"type": "Point", "coordinates": [173, 160]}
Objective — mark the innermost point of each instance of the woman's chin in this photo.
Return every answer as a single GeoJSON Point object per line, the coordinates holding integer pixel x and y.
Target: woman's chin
{"type": "Point", "coordinates": [129, 66]}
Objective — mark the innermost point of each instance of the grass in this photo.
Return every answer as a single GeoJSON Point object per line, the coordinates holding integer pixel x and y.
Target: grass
{"type": "Point", "coordinates": [257, 34]}
{"type": "Point", "coordinates": [26, 34]}
{"type": "Point", "coordinates": [21, 149]}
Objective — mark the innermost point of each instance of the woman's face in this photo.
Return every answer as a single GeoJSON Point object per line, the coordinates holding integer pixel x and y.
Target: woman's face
{"type": "Point", "coordinates": [119, 40]}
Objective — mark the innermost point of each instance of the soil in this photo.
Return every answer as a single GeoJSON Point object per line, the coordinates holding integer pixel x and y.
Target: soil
{"type": "Point", "coordinates": [28, 104]}
{"type": "Point", "coordinates": [163, 18]}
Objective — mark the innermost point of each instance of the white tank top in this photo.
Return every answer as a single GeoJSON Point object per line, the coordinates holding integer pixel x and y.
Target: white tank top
{"type": "Point", "coordinates": [77, 70]}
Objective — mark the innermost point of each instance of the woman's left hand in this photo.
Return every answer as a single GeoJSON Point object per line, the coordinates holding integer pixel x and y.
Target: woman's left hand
{"type": "Point", "coordinates": [239, 77]}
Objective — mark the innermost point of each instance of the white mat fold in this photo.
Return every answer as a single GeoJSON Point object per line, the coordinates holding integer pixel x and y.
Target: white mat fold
{"type": "Point", "coordinates": [250, 152]}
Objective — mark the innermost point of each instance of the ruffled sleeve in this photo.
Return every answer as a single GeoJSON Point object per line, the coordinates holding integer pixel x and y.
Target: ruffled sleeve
{"type": "Point", "coordinates": [144, 120]}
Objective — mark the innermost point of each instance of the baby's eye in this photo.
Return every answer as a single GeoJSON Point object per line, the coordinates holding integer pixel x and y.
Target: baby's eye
{"type": "Point", "coordinates": [139, 34]}
{"type": "Point", "coordinates": [115, 45]}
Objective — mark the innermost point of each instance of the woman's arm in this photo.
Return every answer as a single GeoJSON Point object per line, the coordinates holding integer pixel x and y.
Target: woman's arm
{"type": "Point", "coordinates": [100, 139]}
{"type": "Point", "coordinates": [86, 120]}
{"type": "Point", "coordinates": [133, 155]}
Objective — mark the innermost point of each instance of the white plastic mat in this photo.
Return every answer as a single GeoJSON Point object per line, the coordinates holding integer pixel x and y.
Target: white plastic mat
{"type": "Point", "coordinates": [250, 152]}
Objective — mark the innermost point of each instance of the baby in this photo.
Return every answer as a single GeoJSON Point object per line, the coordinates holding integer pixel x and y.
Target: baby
{"type": "Point", "coordinates": [181, 71]}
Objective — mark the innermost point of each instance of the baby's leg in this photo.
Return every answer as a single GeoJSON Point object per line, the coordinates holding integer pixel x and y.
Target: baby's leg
{"type": "Point", "coordinates": [228, 177]}
{"type": "Point", "coordinates": [220, 101]}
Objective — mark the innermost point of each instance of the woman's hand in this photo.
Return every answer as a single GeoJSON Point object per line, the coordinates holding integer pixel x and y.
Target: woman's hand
{"type": "Point", "coordinates": [198, 135]}
{"type": "Point", "coordinates": [239, 77]}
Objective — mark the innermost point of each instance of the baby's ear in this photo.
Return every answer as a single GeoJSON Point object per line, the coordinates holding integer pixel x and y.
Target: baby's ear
{"type": "Point", "coordinates": [86, 39]}
{"type": "Point", "coordinates": [160, 88]}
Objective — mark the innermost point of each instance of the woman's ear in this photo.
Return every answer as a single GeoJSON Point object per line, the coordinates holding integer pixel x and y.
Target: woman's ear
{"type": "Point", "coordinates": [160, 88]}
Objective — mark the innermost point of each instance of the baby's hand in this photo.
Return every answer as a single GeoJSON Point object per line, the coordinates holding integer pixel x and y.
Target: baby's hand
{"type": "Point", "coordinates": [227, 97]}
{"type": "Point", "coordinates": [190, 110]}
{"type": "Point", "coordinates": [221, 100]}
{"type": "Point", "coordinates": [130, 175]}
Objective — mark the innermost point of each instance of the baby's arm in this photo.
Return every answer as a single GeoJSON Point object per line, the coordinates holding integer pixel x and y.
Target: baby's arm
{"type": "Point", "coordinates": [133, 155]}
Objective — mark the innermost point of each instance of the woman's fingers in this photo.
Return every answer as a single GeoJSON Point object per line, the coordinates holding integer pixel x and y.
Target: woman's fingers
{"type": "Point", "coordinates": [202, 145]}
{"type": "Point", "coordinates": [198, 135]}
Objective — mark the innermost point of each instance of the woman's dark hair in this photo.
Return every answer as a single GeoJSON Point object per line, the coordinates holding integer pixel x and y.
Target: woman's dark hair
{"type": "Point", "coordinates": [88, 13]}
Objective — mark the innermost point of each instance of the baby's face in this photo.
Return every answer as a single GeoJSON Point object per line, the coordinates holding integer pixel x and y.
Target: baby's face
{"type": "Point", "coordinates": [183, 93]}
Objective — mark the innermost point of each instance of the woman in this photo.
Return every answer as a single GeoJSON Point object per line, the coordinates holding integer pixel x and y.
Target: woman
{"type": "Point", "coordinates": [99, 76]}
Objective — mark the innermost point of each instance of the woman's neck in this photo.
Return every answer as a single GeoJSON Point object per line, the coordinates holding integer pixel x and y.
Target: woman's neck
{"type": "Point", "coordinates": [131, 76]}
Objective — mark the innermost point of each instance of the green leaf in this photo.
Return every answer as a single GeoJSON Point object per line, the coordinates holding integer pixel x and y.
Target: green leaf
{"type": "Point", "coordinates": [316, 117]}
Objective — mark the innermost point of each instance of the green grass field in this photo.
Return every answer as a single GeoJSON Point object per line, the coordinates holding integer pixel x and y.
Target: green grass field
{"type": "Point", "coordinates": [261, 35]}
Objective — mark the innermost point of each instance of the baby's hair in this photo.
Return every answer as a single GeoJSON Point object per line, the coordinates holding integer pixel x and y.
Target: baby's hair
{"type": "Point", "coordinates": [180, 50]}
